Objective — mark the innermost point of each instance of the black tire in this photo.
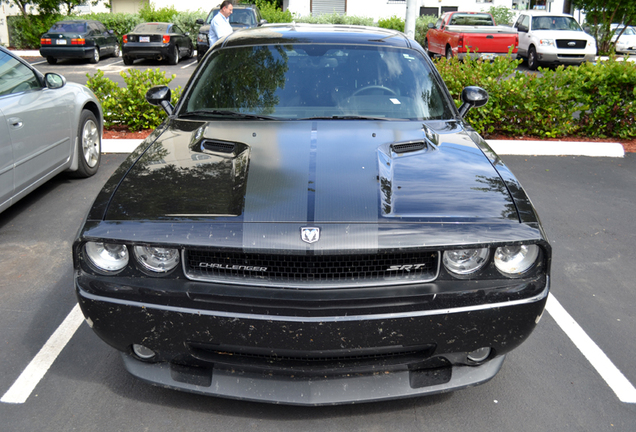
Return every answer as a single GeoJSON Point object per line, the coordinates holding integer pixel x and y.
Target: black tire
{"type": "Point", "coordinates": [533, 62]}
{"type": "Point", "coordinates": [51, 60]}
{"type": "Point", "coordinates": [127, 60]}
{"type": "Point", "coordinates": [174, 58]}
{"type": "Point", "coordinates": [89, 145]}
{"type": "Point", "coordinates": [95, 58]}
{"type": "Point", "coordinates": [430, 54]}
{"type": "Point", "coordinates": [199, 56]}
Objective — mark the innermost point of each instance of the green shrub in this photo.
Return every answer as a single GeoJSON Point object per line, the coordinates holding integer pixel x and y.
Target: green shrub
{"type": "Point", "coordinates": [608, 90]}
{"type": "Point", "coordinates": [335, 18]}
{"type": "Point", "coordinates": [128, 106]}
{"type": "Point", "coordinates": [187, 22]}
{"type": "Point", "coordinates": [421, 27]}
{"type": "Point", "coordinates": [395, 23]}
{"type": "Point", "coordinates": [25, 34]}
{"type": "Point", "coordinates": [502, 15]}
{"type": "Point", "coordinates": [272, 13]}
{"type": "Point", "coordinates": [595, 100]}
{"type": "Point", "coordinates": [149, 13]}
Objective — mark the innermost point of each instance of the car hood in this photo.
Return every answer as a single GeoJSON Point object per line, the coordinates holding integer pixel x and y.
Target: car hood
{"type": "Point", "coordinates": [326, 171]}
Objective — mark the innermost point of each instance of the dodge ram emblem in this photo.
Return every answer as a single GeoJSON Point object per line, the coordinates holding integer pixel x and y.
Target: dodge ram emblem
{"type": "Point", "coordinates": [310, 234]}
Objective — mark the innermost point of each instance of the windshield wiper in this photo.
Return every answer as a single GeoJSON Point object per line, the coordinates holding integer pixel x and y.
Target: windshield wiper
{"type": "Point", "coordinates": [346, 117]}
{"type": "Point", "coordinates": [224, 113]}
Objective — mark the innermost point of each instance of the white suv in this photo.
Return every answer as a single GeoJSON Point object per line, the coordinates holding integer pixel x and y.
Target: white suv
{"type": "Point", "coordinates": [553, 38]}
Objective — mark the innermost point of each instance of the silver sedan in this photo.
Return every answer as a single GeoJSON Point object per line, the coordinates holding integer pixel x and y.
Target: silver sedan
{"type": "Point", "coordinates": [46, 126]}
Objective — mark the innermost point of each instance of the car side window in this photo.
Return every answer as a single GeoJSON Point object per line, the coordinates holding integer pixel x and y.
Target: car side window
{"type": "Point", "coordinates": [15, 77]}
{"type": "Point", "coordinates": [438, 24]}
{"type": "Point", "coordinates": [176, 29]}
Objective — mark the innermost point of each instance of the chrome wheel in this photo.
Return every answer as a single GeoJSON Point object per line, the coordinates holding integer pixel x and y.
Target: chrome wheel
{"type": "Point", "coordinates": [91, 147]}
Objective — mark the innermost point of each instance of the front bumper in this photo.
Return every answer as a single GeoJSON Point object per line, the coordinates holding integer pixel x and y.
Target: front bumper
{"type": "Point", "coordinates": [566, 57]}
{"type": "Point", "coordinates": [67, 52]}
{"type": "Point", "coordinates": [211, 346]}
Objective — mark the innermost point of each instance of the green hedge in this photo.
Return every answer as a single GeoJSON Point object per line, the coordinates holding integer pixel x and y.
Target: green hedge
{"type": "Point", "coordinates": [594, 100]}
{"type": "Point", "coordinates": [128, 106]}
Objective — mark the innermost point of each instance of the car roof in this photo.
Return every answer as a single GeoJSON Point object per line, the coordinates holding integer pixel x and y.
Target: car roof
{"type": "Point", "coordinates": [317, 33]}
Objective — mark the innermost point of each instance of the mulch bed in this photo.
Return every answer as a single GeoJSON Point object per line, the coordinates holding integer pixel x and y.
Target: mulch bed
{"type": "Point", "coordinates": [121, 132]}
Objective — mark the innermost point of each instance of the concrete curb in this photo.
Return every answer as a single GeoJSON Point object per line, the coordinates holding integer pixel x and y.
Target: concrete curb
{"type": "Point", "coordinates": [502, 147]}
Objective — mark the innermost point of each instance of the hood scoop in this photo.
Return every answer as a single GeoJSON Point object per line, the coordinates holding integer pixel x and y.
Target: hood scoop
{"type": "Point", "coordinates": [219, 147]}
{"type": "Point", "coordinates": [408, 147]}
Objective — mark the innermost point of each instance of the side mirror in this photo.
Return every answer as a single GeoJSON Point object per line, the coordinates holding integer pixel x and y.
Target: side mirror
{"type": "Point", "coordinates": [472, 97]}
{"type": "Point", "coordinates": [199, 21]}
{"type": "Point", "coordinates": [160, 96]}
{"type": "Point", "coordinates": [431, 25]}
{"type": "Point", "coordinates": [54, 81]}
{"type": "Point", "coordinates": [263, 21]}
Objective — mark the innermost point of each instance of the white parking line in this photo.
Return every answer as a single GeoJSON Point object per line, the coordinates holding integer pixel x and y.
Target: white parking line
{"type": "Point", "coordinates": [35, 371]}
{"type": "Point", "coordinates": [189, 64]}
{"type": "Point", "coordinates": [603, 365]}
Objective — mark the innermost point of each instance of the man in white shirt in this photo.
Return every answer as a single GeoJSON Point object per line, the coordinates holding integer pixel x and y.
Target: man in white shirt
{"type": "Point", "coordinates": [220, 25]}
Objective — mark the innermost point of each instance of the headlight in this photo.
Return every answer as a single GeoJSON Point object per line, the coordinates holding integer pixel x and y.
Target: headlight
{"type": "Point", "coordinates": [514, 260]}
{"type": "Point", "coordinates": [157, 259]}
{"type": "Point", "coordinates": [546, 42]}
{"type": "Point", "coordinates": [465, 261]}
{"type": "Point", "coordinates": [107, 257]}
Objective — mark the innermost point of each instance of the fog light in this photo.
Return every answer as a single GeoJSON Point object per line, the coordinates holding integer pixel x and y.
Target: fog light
{"type": "Point", "coordinates": [479, 355]}
{"type": "Point", "coordinates": [142, 352]}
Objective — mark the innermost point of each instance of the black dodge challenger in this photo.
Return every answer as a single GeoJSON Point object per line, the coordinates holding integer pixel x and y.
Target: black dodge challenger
{"type": "Point", "coordinates": [314, 223]}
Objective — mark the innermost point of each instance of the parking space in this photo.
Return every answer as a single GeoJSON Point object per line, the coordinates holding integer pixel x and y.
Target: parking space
{"type": "Point", "coordinates": [588, 208]}
{"type": "Point", "coordinates": [76, 70]}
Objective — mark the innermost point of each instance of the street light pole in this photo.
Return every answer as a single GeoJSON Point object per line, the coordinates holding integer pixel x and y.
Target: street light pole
{"type": "Point", "coordinates": [411, 16]}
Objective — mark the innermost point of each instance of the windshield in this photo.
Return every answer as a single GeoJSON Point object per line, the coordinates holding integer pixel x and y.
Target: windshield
{"type": "Point", "coordinates": [317, 81]}
{"type": "Point", "coordinates": [239, 16]}
{"type": "Point", "coordinates": [555, 23]}
{"type": "Point", "coordinates": [628, 31]}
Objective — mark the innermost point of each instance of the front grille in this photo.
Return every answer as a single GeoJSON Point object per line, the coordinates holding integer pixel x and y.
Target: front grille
{"type": "Point", "coordinates": [311, 271]}
{"type": "Point", "coordinates": [328, 363]}
{"type": "Point", "coordinates": [571, 43]}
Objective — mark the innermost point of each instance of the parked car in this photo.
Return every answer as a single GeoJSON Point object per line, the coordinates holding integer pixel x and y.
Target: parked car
{"type": "Point", "coordinates": [314, 223]}
{"type": "Point", "coordinates": [78, 39]}
{"type": "Point", "coordinates": [244, 16]}
{"type": "Point", "coordinates": [626, 43]}
{"type": "Point", "coordinates": [459, 34]}
{"type": "Point", "coordinates": [158, 40]}
{"type": "Point", "coordinates": [46, 126]}
{"type": "Point", "coordinates": [553, 39]}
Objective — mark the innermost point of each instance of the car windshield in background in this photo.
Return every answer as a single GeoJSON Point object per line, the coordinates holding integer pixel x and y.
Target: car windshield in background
{"type": "Point", "coordinates": [151, 28]}
{"type": "Point", "coordinates": [555, 23]}
{"type": "Point", "coordinates": [68, 28]}
{"type": "Point", "coordinates": [628, 31]}
{"type": "Point", "coordinates": [317, 81]}
{"type": "Point", "coordinates": [239, 16]}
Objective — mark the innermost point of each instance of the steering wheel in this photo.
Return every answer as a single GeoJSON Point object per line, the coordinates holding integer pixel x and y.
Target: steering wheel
{"type": "Point", "coordinates": [374, 87]}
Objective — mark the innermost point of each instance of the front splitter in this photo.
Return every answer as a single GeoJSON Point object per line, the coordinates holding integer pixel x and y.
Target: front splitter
{"type": "Point", "coordinates": [300, 390]}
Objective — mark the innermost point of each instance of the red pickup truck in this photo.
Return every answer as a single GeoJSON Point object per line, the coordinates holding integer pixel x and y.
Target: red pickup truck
{"type": "Point", "coordinates": [456, 34]}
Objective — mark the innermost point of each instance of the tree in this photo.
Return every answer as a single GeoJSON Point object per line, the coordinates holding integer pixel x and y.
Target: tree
{"type": "Point", "coordinates": [600, 14]}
